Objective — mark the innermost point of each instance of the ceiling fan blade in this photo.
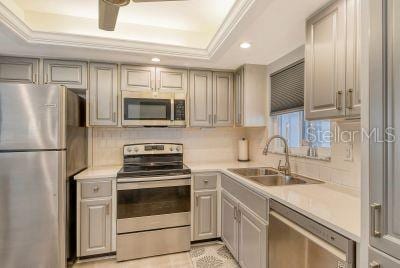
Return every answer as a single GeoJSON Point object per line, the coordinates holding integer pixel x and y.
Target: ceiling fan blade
{"type": "Point", "coordinates": [108, 14]}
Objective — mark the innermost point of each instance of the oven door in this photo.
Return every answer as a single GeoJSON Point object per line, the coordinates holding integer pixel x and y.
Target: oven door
{"type": "Point", "coordinates": [151, 205]}
{"type": "Point", "coordinates": [144, 109]}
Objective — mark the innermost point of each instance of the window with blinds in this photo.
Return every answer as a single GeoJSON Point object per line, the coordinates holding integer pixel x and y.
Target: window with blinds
{"type": "Point", "coordinates": [287, 89]}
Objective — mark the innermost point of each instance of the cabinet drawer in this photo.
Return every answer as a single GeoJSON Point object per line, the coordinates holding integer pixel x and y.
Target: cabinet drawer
{"type": "Point", "coordinates": [205, 181]}
{"type": "Point", "coordinates": [257, 203]}
{"type": "Point", "coordinates": [96, 189]}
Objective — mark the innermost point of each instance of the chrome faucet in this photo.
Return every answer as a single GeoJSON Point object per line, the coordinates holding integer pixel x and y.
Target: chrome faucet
{"type": "Point", "coordinates": [286, 167]}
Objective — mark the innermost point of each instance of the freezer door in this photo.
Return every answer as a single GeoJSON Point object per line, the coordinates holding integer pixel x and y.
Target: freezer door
{"type": "Point", "coordinates": [31, 117]}
{"type": "Point", "coordinates": [32, 209]}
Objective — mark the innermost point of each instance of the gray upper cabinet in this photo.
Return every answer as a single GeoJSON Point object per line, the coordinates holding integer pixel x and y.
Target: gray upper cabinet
{"type": "Point", "coordinates": [223, 105]}
{"type": "Point", "coordinates": [19, 70]}
{"type": "Point", "coordinates": [252, 239]}
{"type": "Point", "coordinates": [250, 95]}
{"type": "Point", "coordinates": [103, 94]}
{"type": "Point", "coordinates": [138, 78]}
{"type": "Point", "coordinates": [384, 82]}
{"type": "Point", "coordinates": [72, 74]}
{"type": "Point", "coordinates": [171, 80]}
{"type": "Point", "coordinates": [211, 99]}
{"type": "Point", "coordinates": [205, 215]}
{"type": "Point", "coordinates": [331, 87]}
{"type": "Point", "coordinates": [229, 225]}
{"type": "Point", "coordinates": [200, 96]}
{"type": "Point", "coordinates": [95, 220]}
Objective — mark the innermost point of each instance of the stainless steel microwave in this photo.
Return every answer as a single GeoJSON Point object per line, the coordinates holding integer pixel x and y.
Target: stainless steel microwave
{"type": "Point", "coordinates": [162, 109]}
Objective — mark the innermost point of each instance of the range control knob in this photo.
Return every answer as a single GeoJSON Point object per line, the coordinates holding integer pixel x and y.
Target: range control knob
{"type": "Point", "coordinates": [129, 149]}
{"type": "Point", "coordinates": [178, 148]}
{"type": "Point", "coordinates": [171, 149]}
{"type": "Point", "coordinates": [135, 149]}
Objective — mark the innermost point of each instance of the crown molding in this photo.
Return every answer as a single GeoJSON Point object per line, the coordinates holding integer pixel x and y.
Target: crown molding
{"type": "Point", "coordinates": [24, 32]}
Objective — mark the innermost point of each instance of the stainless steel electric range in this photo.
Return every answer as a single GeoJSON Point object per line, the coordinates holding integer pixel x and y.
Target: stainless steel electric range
{"type": "Point", "coordinates": [153, 201]}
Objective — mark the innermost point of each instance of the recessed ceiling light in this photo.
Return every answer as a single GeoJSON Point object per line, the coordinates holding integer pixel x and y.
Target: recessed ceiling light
{"type": "Point", "coordinates": [155, 60]}
{"type": "Point", "coordinates": [245, 45]}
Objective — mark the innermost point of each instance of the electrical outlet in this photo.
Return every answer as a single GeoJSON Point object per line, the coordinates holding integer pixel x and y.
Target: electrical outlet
{"type": "Point", "coordinates": [348, 155]}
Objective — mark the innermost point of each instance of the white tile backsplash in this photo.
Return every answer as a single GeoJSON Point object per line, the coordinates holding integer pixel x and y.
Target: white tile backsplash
{"type": "Point", "coordinates": [207, 144]}
{"type": "Point", "coordinates": [337, 170]}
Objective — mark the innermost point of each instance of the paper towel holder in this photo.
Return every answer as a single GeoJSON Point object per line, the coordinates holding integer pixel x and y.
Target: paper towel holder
{"type": "Point", "coordinates": [243, 160]}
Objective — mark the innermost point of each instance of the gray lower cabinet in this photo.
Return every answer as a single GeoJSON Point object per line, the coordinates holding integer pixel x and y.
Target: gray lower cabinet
{"type": "Point", "coordinates": [103, 94]}
{"type": "Point", "coordinates": [379, 259]}
{"type": "Point", "coordinates": [19, 70]}
{"type": "Point", "coordinates": [95, 226]}
{"type": "Point", "coordinates": [331, 74]}
{"type": "Point", "coordinates": [229, 223]}
{"type": "Point", "coordinates": [385, 156]}
{"type": "Point", "coordinates": [205, 215]}
{"type": "Point", "coordinates": [72, 74]}
{"type": "Point", "coordinates": [252, 239]}
{"type": "Point", "coordinates": [244, 233]}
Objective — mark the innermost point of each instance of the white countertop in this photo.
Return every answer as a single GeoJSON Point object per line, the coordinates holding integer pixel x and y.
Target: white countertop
{"type": "Point", "coordinates": [334, 206]}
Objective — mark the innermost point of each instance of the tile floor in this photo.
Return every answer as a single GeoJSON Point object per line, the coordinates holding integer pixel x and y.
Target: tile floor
{"type": "Point", "coordinates": [201, 256]}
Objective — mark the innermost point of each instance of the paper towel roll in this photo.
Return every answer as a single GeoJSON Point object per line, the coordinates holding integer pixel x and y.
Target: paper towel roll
{"type": "Point", "coordinates": [243, 150]}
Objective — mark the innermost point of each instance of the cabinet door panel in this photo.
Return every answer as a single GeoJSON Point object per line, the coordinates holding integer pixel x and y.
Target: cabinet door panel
{"type": "Point", "coordinates": [171, 80]}
{"type": "Point", "coordinates": [72, 74]}
{"type": "Point", "coordinates": [326, 62]}
{"type": "Point", "coordinates": [385, 170]}
{"type": "Point", "coordinates": [138, 78]}
{"type": "Point", "coordinates": [379, 258]}
{"type": "Point", "coordinates": [223, 99]}
{"type": "Point", "coordinates": [205, 218]}
{"type": "Point", "coordinates": [200, 98]}
{"type": "Point", "coordinates": [229, 225]}
{"type": "Point", "coordinates": [95, 226]}
{"type": "Point", "coordinates": [19, 70]}
{"type": "Point", "coordinates": [103, 94]}
{"type": "Point", "coordinates": [252, 240]}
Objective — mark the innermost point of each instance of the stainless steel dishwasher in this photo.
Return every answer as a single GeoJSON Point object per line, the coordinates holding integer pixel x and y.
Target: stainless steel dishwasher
{"type": "Point", "coordinates": [297, 241]}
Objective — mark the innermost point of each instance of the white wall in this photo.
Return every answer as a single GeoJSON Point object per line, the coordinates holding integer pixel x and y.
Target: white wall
{"type": "Point", "coordinates": [205, 145]}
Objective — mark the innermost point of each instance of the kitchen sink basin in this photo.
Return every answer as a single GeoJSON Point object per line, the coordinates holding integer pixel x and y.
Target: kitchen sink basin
{"type": "Point", "coordinates": [251, 172]}
{"type": "Point", "coordinates": [271, 177]}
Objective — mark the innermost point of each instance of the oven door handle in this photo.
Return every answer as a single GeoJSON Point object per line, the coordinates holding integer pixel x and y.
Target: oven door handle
{"type": "Point", "coordinates": [152, 184]}
{"type": "Point", "coordinates": [147, 179]}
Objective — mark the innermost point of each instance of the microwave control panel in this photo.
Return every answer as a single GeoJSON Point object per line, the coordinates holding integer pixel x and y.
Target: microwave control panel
{"type": "Point", "coordinates": [179, 111]}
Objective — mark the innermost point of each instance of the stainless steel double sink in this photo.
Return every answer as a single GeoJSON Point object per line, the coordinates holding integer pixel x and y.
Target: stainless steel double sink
{"type": "Point", "coordinates": [271, 177]}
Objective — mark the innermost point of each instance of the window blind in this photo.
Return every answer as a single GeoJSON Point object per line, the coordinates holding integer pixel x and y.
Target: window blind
{"type": "Point", "coordinates": [287, 89]}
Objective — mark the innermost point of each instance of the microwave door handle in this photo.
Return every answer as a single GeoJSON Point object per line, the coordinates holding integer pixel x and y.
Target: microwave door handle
{"type": "Point", "coordinates": [172, 109]}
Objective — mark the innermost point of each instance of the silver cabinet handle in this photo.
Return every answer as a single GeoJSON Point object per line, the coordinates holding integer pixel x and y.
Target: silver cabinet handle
{"type": "Point", "coordinates": [374, 264]}
{"type": "Point", "coordinates": [349, 99]}
{"type": "Point", "coordinates": [215, 118]}
{"type": "Point", "coordinates": [46, 78]}
{"type": "Point", "coordinates": [234, 213]}
{"type": "Point", "coordinates": [210, 119]}
{"type": "Point", "coordinates": [239, 215]}
{"type": "Point", "coordinates": [375, 214]}
{"type": "Point", "coordinates": [113, 116]}
{"type": "Point", "coordinates": [197, 201]}
{"type": "Point", "coordinates": [339, 100]}
{"type": "Point", "coordinates": [205, 181]}
{"type": "Point", "coordinates": [96, 189]}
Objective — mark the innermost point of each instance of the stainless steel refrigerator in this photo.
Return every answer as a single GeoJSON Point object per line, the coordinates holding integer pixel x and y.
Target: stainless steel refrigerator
{"type": "Point", "coordinates": [43, 143]}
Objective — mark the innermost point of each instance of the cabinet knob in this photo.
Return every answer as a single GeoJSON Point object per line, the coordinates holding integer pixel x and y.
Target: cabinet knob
{"type": "Point", "coordinates": [206, 181]}
{"type": "Point", "coordinates": [96, 189]}
{"type": "Point", "coordinates": [374, 264]}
